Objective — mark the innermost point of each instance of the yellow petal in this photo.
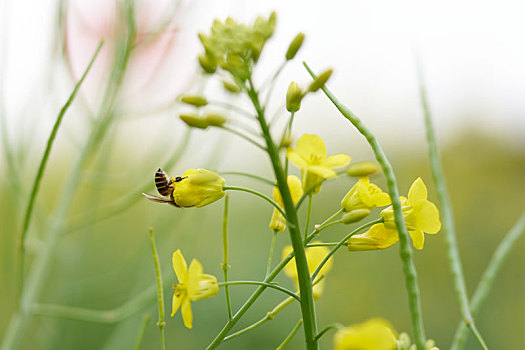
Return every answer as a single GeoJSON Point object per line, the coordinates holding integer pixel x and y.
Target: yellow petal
{"type": "Point", "coordinates": [296, 158]}
{"type": "Point", "coordinates": [175, 302]}
{"type": "Point", "coordinates": [427, 217]}
{"type": "Point", "coordinates": [180, 266]}
{"type": "Point", "coordinates": [337, 160]}
{"type": "Point", "coordinates": [296, 188]}
{"type": "Point", "coordinates": [417, 192]}
{"type": "Point", "coordinates": [289, 270]}
{"type": "Point", "coordinates": [187, 315]}
{"type": "Point", "coordinates": [277, 222]}
{"type": "Point", "coordinates": [194, 276]}
{"type": "Point", "coordinates": [377, 237]}
{"type": "Point", "coordinates": [418, 238]}
{"type": "Point", "coordinates": [374, 334]}
{"type": "Point", "coordinates": [322, 171]}
{"type": "Point", "coordinates": [315, 256]}
{"type": "Point", "coordinates": [311, 145]}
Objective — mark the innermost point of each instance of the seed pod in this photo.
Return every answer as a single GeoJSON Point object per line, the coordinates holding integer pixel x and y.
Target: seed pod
{"type": "Point", "coordinates": [295, 45]}
{"type": "Point", "coordinates": [361, 168]}
{"type": "Point", "coordinates": [215, 119]}
{"type": "Point", "coordinates": [194, 100]}
{"type": "Point", "coordinates": [320, 80]}
{"type": "Point", "coordinates": [355, 216]}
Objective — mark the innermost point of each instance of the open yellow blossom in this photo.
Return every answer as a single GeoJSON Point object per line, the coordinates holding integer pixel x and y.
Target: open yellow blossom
{"type": "Point", "coordinates": [373, 334]}
{"type": "Point", "coordinates": [421, 216]}
{"type": "Point", "coordinates": [278, 223]}
{"type": "Point", "coordinates": [193, 285]}
{"type": "Point", "coordinates": [364, 195]}
{"type": "Point", "coordinates": [314, 256]}
{"type": "Point", "coordinates": [198, 188]}
{"type": "Point", "coordinates": [310, 156]}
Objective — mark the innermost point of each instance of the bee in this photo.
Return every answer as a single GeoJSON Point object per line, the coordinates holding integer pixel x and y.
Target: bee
{"type": "Point", "coordinates": [165, 187]}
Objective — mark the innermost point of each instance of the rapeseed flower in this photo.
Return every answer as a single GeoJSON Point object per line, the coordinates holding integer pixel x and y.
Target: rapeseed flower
{"type": "Point", "coordinates": [364, 195]}
{"type": "Point", "coordinates": [278, 222]}
{"type": "Point", "coordinates": [373, 334]}
{"type": "Point", "coordinates": [198, 188]}
{"type": "Point", "coordinates": [310, 156]}
{"type": "Point", "coordinates": [193, 285]}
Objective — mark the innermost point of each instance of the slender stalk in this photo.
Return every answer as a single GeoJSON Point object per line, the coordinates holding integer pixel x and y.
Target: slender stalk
{"type": "Point", "coordinates": [225, 266]}
{"type": "Point", "coordinates": [409, 268]}
{"type": "Point", "coordinates": [259, 283]}
{"type": "Point", "coordinates": [142, 330]}
{"type": "Point", "coordinates": [308, 214]}
{"type": "Point", "coordinates": [271, 82]}
{"type": "Point", "coordinates": [258, 194]}
{"type": "Point", "coordinates": [327, 328]}
{"type": "Point", "coordinates": [288, 132]}
{"type": "Point", "coordinates": [487, 279]}
{"type": "Point", "coordinates": [41, 169]}
{"type": "Point", "coordinates": [232, 108]}
{"type": "Point", "coordinates": [290, 336]}
{"type": "Point", "coordinates": [340, 244]}
{"type": "Point", "coordinates": [160, 289]}
{"type": "Point", "coordinates": [247, 138]}
{"type": "Point", "coordinates": [305, 284]}
{"type": "Point", "coordinates": [240, 173]}
{"type": "Point", "coordinates": [270, 255]}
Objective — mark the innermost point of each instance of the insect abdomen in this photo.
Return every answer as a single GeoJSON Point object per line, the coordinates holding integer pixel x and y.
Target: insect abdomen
{"type": "Point", "coordinates": [163, 183]}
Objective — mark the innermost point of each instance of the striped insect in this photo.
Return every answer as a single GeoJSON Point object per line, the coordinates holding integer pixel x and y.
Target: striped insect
{"type": "Point", "coordinates": [165, 187]}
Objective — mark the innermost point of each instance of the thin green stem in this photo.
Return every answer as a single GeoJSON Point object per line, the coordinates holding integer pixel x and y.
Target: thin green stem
{"type": "Point", "coordinates": [270, 255]}
{"type": "Point", "coordinates": [341, 243]}
{"type": "Point", "coordinates": [240, 173]}
{"type": "Point", "coordinates": [232, 108]}
{"type": "Point", "coordinates": [142, 331]}
{"type": "Point", "coordinates": [287, 133]}
{"type": "Point", "coordinates": [409, 268]}
{"type": "Point", "coordinates": [327, 328]}
{"type": "Point", "coordinates": [487, 279]}
{"type": "Point", "coordinates": [42, 167]}
{"type": "Point", "coordinates": [272, 82]}
{"type": "Point", "coordinates": [225, 266]}
{"type": "Point", "coordinates": [325, 244]}
{"type": "Point", "coordinates": [246, 137]}
{"type": "Point", "coordinates": [258, 194]}
{"type": "Point", "coordinates": [291, 335]}
{"type": "Point", "coordinates": [259, 283]}
{"type": "Point", "coordinates": [308, 214]}
{"type": "Point", "coordinates": [160, 289]}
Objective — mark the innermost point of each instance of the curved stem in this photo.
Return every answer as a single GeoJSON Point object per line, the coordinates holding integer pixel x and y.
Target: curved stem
{"type": "Point", "coordinates": [409, 268]}
{"type": "Point", "coordinates": [142, 330]}
{"type": "Point", "coordinates": [290, 336]}
{"type": "Point", "coordinates": [327, 328]}
{"type": "Point", "coordinates": [259, 283]}
{"type": "Point", "coordinates": [270, 255]}
{"type": "Point", "coordinates": [225, 265]}
{"type": "Point", "coordinates": [232, 108]}
{"type": "Point", "coordinates": [308, 214]}
{"type": "Point", "coordinates": [240, 173]}
{"type": "Point", "coordinates": [247, 138]}
{"type": "Point", "coordinates": [258, 194]}
{"type": "Point", "coordinates": [160, 289]}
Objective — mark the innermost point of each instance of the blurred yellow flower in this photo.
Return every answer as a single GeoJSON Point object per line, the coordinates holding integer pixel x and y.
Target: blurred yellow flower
{"type": "Point", "coordinates": [310, 156]}
{"type": "Point", "coordinates": [198, 188]}
{"type": "Point", "coordinates": [373, 334]}
{"type": "Point", "coordinates": [421, 216]}
{"type": "Point", "coordinates": [193, 285]}
{"type": "Point", "coordinates": [278, 223]}
{"type": "Point", "coordinates": [314, 256]}
{"type": "Point", "coordinates": [364, 195]}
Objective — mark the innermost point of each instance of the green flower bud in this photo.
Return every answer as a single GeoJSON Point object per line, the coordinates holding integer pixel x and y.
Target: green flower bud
{"type": "Point", "coordinates": [295, 45]}
{"type": "Point", "coordinates": [207, 64]}
{"type": "Point", "coordinates": [361, 168]}
{"type": "Point", "coordinates": [231, 87]}
{"type": "Point", "coordinates": [236, 66]}
{"type": "Point", "coordinates": [320, 80]}
{"type": "Point", "coordinates": [194, 121]}
{"type": "Point", "coordinates": [355, 216]}
{"type": "Point", "coordinates": [194, 100]}
{"type": "Point", "coordinates": [215, 119]}
{"type": "Point", "coordinates": [294, 95]}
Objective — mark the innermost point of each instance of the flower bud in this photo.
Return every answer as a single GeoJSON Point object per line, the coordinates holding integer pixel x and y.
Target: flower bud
{"type": "Point", "coordinates": [200, 187]}
{"type": "Point", "coordinates": [215, 119]}
{"type": "Point", "coordinates": [231, 87]}
{"type": "Point", "coordinates": [320, 81]}
{"type": "Point", "coordinates": [294, 95]}
{"type": "Point", "coordinates": [194, 100]}
{"type": "Point", "coordinates": [194, 121]}
{"type": "Point", "coordinates": [295, 45]}
{"type": "Point", "coordinates": [361, 168]}
{"type": "Point", "coordinates": [355, 216]}
{"type": "Point", "coordinates": [207, 64]}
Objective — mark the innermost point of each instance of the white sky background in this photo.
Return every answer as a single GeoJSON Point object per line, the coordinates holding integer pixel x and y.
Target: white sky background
{"type": "Point", "coordinates": [472, 53]}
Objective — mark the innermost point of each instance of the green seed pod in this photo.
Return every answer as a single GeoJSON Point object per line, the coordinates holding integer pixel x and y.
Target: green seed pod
{"type": "Point", "coordinates": [294, 95]}
{"type": "Point", "coordinates": [194, 100]}
{"type": "Point", "coordinates": [215, 119]}
{"type": "Point", "coordinates": [295, 45]}
{"type": "Point", "coordinates": [361, 168]}
{"type": "Point", "coordinates": [194, 121]}
{"type": "Point", "coordinates": [234, 89]}
{"type": "Point", "coordinates": [355, 216]}
{"type": "Point", "coordinates": [320, 80]}
{"type": "Point", "coordinates": [207, 65]}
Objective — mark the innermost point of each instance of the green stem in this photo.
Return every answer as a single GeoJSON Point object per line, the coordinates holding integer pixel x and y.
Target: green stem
{"type": "Point", "coordinates": [327, 328]}
{"type": "Point", "coordinates": [308, 214]}
{"type": "Point", "coordinates": [305, 284]}
{"type": "Point", "coordinates": [487, 279]}
{"type": "Point", "coordinates": [271, 83]}
{"type": "Point", "coordinates": [247, 138]}
{"type": "Point", "coordinates": [142, 331]}
{"type": "Point", "coordinates": [291, 335]}
{"type": "Point", "coordinates": [259, 283]}
{"type": "Point", "coordinates": [288, 132]}
{"type": "Point", "coordinates": [258, 194]}
{"type": "Point", "coordinates": [447, 215]}
{"type": "Point", "coordinates": [225, 265]}
{"type": "Point", "coordinates": [270, 255]}
{"type": "Point", "coordinates": [41, 169]}
{"type": "Point", "coordinates": [340, 244]}
{"type": "Point", "coordinates": [160, 289]}
{"type": "Point", "coordinates": [409, 268]}
{"type": "Point", "coordinates": [240, 173]}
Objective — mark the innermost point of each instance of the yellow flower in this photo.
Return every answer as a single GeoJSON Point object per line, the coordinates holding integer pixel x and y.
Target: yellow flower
{"type": "Point", "coordinates": [310, 156]}
{"type": "Point", "coordinates": [364, 195]}
{"type": "Point", "coordinates": [373, 334]}
{"type": "Point", "coordinates": [314, 256]}
{"type": "Point", "coordinates": [193, 285]}
{"type": "Point", "coordinates": [198, 188]}
{"type": "Point", "coordinates": [278, 223]}
{"type": "Point", "coordinates": [421, 216]}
